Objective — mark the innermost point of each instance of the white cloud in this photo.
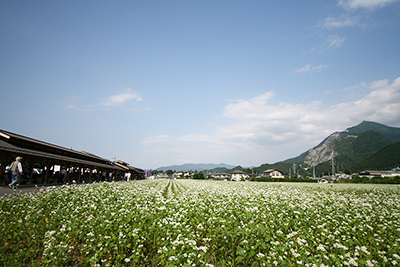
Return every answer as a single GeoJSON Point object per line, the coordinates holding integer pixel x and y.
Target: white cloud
{"type": "Point", "coordinates": [378, 84]}
{"type": "Point", "coordinates": [382, 104]}
{"type": "Point", "coordinates": [119, 99]}
{"type": "Point", "coordinates": [264, 131]}
{"type": "Point", "coordinates": [329, 43]}
{"type": "Point", "coordinates": [82, 103]}
{"type": "Point", "coordinates": [369, 4]}
{"type": "Point", "coordinates": [335, 41]}
{"type": "Point", "coordinates": [310, 69]}
{"type": "Point", "coordinates": [343, 21]}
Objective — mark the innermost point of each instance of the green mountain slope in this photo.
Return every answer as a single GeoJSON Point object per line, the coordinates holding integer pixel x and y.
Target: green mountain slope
{"type": "Point", "coordinates": [385, 159]}
{"type": "Point", "coordinates": [296, 159]}
{"type": "Point", "coordinates": [282, 166]}
{"type": "Point", "coordinates": [355, 149]}
{"type": "Point", "coordinates": [391, 133]}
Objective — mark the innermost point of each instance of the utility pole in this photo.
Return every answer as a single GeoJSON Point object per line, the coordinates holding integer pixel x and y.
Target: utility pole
{"type": "Point", "coordinates": [313, 170]}
{"type": "Point", "coordinates": [333, 166]}
{"type": "Point", "coordinates": [294, 169]}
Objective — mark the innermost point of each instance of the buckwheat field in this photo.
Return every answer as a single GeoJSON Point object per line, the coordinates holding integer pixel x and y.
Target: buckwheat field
{"type": "Point", "coordinates": [202, 223]}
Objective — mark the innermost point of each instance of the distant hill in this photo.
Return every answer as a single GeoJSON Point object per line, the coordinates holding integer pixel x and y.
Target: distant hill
{"type": "Point", "coordinates": [282, 166]}
{"type": "Point", "coordinates": [391, 133]}
{"type": "Point", "coordinates": [195, 167]}
{"type": "Point", "coordinates": [385, 159]}
{"type": "Point", "coordinates": [348, 148]}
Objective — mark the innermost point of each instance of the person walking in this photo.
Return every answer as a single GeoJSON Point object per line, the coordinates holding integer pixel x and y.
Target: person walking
{"type": "Point", "coordinates": [16, 171]}
{"type": "Point", "coordinates": [63, 173]}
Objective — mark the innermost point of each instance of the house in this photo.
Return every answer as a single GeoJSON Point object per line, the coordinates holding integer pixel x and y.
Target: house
{"type": "Point", "coordinates": [370, 174]}
{"type": "Point", "coordinates": [395, 172]}
{"type": "Point", "coordinates": [162, 175]}
{"type": "Point", "coordinates": [188, 175]}
{"type": "Point", "coordinates": [221, 176]}
{"type": "Point", "coordinates": [239, 175]}
{"type": "Point", "coordinates": [177, 175]}
{"type": "Point", "coordinates": [273, 173]}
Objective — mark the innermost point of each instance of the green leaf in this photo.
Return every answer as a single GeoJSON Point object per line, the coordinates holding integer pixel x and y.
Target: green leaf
{"type": "Point", "coordinates": [239, 259]}
{"type": "Point", "coordinates": [362, 261]}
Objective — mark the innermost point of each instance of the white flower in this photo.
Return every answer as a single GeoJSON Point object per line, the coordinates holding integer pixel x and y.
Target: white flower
{"type": "Point", "coordinates": [127, 260]}
{"type": "Point", "coordinates": [204, 249]}
{"type": "Point", "coordinates": [364, 249]}
{"type": "Point", "coordinates": [291, 235]}
{"type": "Point", "coordinates": [321, 247]}
{"type": "Point", "coordinates": [260, 255]}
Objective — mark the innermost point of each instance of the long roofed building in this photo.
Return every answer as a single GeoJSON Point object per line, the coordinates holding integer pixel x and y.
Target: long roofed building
{"type": "Point", "coordinates": [40, 160]}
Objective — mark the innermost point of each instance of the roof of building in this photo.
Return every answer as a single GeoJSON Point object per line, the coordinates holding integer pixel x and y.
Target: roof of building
{"type": "Point", "coordinates": [271, 170]}
{"type": "Point", "coordinates": [18, 144]}
{"type": "Point", "coordinates": [37, 145]}
{"type": "Point", "coordinates": [372, 172]}
{"type": "Point", "coordinates": [238, 172]}
{"type": "Point", "coordinates": [4, 146]}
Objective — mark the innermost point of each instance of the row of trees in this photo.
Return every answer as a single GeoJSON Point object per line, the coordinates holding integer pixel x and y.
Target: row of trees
{"type": "Point", "coordinates": [256, 178]}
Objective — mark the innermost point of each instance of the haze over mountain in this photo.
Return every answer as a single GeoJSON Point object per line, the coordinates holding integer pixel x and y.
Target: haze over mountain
{"type": "Point", "coordinates": [195, 166]}
{"type": "Point", "coordinates": [347, 148]}
{"type": "Point", "coordinates": [368, 144]}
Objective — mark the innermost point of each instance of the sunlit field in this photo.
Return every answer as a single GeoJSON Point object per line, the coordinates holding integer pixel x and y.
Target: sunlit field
{"type": "Point", "coordinates": [202, 223]}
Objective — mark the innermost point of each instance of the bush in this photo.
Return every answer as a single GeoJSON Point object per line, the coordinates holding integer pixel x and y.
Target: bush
{"type": "Point", "coordinates": [374, 180]}
{"type": "Point", "coordinates": [199, 176]}
{"type": "Point", "coordinates": [270, 179]}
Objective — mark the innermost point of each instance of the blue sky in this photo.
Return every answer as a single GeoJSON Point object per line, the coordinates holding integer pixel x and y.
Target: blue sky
{"type": "Point", "coordinates": [157, 83]}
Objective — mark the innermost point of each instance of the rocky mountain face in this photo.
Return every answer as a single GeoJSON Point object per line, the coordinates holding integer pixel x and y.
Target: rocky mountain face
{"type": "Point", "coordinates": [349, 147]}
{"type": "Point", "coordinates": [324, 152]}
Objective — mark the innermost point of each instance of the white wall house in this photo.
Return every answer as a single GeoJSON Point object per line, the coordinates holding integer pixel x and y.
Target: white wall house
{"type": "Point", "coordinates": [239, 176]}
{"type": "Point", "coordinates": [177, 175]}
{"type": "Point", "coordinates": [273, 173]}
{"type": "Point", "coordinates": [221, 176]}
{"type": "Point", "coordinates": [162, 175]}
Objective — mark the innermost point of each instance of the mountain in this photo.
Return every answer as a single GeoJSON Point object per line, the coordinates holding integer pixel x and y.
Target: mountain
{"type": "Point", "coordinates": [385, 159]}
{"type": "Point", "coordinates": [348, 148]}
{"type": "Point", "coordinates": [195, 166]}
{"type": "Point", "coordinates": [391, 133]}
{"type": "Point", "coordinates": [282, 166]}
